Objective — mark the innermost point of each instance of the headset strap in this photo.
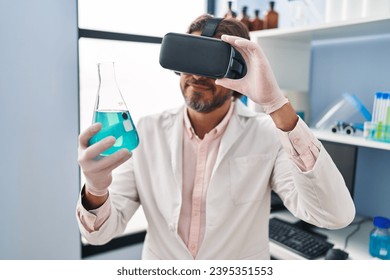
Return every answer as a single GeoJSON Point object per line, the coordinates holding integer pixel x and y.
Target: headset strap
{"type": "Point", "coordinates": [211, 27]}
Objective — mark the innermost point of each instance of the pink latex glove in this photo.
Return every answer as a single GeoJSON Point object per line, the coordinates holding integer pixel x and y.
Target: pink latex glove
{"type": "Point", "coordinates": [259, 84]}
{"type": "Point", "coordinates": [98, 172]}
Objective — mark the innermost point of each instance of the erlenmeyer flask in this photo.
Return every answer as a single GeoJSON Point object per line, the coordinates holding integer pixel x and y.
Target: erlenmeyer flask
{"type": "Point", "coordinates": [111, 111]}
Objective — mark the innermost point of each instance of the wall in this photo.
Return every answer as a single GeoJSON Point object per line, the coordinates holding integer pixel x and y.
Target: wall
{"type": "Point", "coordinates": [39, 127]}
{"type": "Point", "coordinates": [136, 64]}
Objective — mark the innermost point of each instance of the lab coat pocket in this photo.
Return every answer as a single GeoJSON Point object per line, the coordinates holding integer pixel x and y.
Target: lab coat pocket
{"type": "Point", "coordinates": [249, 177]}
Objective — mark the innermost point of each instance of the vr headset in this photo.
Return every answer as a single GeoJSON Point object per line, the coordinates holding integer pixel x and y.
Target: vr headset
{"type": "Point", "coordinates": [202, 55]}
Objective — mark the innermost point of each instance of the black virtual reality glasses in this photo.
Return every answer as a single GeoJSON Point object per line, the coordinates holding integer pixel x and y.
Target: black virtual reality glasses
{"type": "Point", "coordinates": [202, 55]}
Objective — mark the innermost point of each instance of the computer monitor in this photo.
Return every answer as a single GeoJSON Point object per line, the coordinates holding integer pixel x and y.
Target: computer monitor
{"type": "Point", "coordinates": [344, 156]}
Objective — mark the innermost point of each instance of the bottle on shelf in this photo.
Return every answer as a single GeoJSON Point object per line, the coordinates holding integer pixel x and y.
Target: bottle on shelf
{"type": "Point", "coordinates": [244, 18]}
{"type": "Point", "coordinates": [230, 13]}
{"type": "Point", "coordinates": [271, 18]}
{"type": "Point", "coordinates": [380, 238]}
{"type": "Point", "coordinates": [256, 23]}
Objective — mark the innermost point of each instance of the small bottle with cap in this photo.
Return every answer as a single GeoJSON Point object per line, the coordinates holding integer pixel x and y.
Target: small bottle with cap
{"type": "Point", "coordinates": [380, 238]}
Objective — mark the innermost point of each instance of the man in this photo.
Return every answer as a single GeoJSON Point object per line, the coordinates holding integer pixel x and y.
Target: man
{"type": "Point", "coordinates": [204, 172]}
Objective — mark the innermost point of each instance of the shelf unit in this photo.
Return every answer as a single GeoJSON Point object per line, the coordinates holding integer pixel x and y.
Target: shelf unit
{"type": "Point", "coordinates": [350, 140]}
{"type": "Point", "coordinates": [288, 51]}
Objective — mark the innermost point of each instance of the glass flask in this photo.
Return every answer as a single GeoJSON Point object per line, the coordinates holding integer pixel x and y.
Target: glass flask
{"type": "Point", "coordinates": [111, 111]}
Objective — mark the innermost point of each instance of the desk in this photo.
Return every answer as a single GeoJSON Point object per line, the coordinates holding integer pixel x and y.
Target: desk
{"type": "Point", "coordinates": [357, 246]}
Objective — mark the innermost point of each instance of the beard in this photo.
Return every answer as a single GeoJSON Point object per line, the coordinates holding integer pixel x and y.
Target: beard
{"type": "Point", "coordinates": [197, 100]}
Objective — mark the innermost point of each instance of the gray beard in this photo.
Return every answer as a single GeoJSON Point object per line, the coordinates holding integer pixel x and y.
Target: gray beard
{"type": "Point", "coordinates": [196, 103]}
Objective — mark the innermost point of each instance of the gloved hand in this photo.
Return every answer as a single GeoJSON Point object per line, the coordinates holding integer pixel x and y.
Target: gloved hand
{"type": "Point", "coordinates": [259, 84]}
{"type": "Point", "coordinates": [98, 172]}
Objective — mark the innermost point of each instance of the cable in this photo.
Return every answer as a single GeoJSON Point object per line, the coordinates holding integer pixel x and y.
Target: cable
{"type": "Point", "coordinates": [359, 223]}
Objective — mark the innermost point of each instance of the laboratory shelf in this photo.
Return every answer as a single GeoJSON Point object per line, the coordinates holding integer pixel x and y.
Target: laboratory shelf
{"type": "Point", "coordinates": [350, 140]}
{"type": "Point", "coordinates": [342, 29]}
{"type": "Point", "coordinates": [289, 49]}
{"type": "Point", "coordinates": [289, 53]}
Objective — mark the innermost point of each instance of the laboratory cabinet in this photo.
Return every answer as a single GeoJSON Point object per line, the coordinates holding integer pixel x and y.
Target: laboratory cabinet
{"type": "Point", "coordinates": [325, 61]}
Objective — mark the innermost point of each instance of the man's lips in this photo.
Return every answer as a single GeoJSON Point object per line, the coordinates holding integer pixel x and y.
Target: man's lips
{"type": "Point", "coordinates": [200, 86]}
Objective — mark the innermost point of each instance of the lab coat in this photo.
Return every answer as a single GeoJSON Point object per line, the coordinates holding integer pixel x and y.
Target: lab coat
{"type": "Point", "coordinates": [250, 163]}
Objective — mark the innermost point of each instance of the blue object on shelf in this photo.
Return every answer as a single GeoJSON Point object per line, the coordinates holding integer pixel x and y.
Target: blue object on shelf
{"type": "Point", "coordinates": [348, 109]}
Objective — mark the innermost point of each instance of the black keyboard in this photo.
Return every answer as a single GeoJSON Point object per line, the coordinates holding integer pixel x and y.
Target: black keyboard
{"type": "Point", "coordinates": [302, 242]}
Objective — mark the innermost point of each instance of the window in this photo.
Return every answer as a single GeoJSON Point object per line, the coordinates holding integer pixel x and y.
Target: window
{"type": "Point", "coordinates": [128, 33]}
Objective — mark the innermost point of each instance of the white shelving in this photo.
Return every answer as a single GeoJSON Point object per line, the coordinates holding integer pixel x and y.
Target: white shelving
{"type": "Point", "coordinates": [350, 140]}
{"type": "Point", "coordinates": [337, 30]}
{"type": "Point", "coordinates": [288, 51]}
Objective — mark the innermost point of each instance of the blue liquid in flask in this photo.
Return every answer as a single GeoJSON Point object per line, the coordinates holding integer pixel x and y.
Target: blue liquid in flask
{"type": "Point", "coordinates": [118, 124]}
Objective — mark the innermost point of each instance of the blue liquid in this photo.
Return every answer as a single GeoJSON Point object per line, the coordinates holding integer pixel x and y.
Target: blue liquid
{"type": "Point", "coordinates": [117, 124]}
{"type": "Point", "coordinates": [380, 246]}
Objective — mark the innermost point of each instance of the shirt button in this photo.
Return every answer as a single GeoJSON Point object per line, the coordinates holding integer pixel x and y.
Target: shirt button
{"type": "Point", "coordinates": [296, 141]}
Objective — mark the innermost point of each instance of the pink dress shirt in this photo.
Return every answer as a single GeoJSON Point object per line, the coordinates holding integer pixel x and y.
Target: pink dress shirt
{"type": "Point", "coordinates": [199, 156]}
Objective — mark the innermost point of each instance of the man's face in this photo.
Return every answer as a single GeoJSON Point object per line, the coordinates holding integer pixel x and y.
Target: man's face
{"type": "Point", "coordinates": [201, 93]}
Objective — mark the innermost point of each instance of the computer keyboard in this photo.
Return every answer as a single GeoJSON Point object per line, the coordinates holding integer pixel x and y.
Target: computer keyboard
{"type": "Point", "coordinates": [302, 242]}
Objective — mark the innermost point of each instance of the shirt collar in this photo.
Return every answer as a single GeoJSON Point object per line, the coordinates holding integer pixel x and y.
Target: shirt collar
{"type": "Point", "coordinates": [216, 131]}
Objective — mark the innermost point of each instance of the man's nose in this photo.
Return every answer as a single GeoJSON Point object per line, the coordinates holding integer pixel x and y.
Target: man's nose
{"type": "Point", "coordinates": [197, 77]}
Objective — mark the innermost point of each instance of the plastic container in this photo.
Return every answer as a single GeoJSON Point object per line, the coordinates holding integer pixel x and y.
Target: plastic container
{"type": "Point", "coordinates": [347, 111]}
{"type": "Point", "coordinates": [380, 238]}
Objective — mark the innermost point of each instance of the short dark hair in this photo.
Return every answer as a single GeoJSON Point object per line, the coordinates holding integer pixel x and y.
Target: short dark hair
{"type": "Point", "coordinates": [228, 26]}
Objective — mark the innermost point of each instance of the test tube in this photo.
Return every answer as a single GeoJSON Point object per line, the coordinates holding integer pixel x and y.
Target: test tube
{"type": "Point", "coordinates": [375, 110]}
{"type": "Point", "coordinates": [386, 108]}
{"type": "Point", "coordinates": [384, 104]}
{"type": "Point", "coordinates": [382, 111]}
{"type": "Point", "coordinates": [387, 118]}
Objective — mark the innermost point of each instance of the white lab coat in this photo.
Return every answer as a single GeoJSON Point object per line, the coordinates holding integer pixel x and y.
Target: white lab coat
{"type": "Point", "coordinates": [250, 162]}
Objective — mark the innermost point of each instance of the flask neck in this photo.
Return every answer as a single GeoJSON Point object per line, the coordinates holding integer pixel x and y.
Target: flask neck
{"type": "Point", "coordinates": [107, 74]}
{"type": "Point", "coordinates": [109, 96]}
